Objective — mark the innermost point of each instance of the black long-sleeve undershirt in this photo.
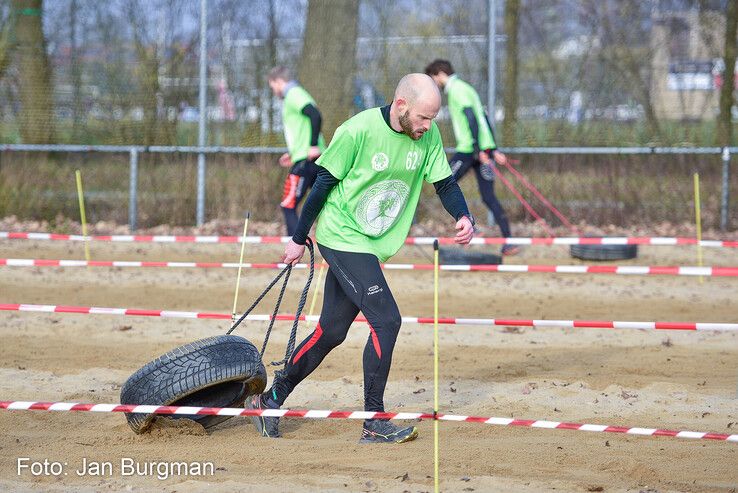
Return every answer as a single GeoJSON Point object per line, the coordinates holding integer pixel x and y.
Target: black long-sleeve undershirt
{"type": "Point", "coordinates": [492, 131]}
{"type": "Point", "coordinates": [451, 197]}
{"type": "Point", "coordinates": [310, 111]}
{"type": "Point", "coordinates": [314, 203]}
{"type": "Point", "coordinates": [471, 119]}
{"type": "Point", "coordinates": [474, 129]}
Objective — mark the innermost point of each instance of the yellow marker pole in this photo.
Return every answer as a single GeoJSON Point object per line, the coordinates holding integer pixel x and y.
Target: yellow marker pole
{"type": "Point", "coordinates": [698, 214]}
{"type": "Point", "coordinates": [82, 215]}
{"type": "Point", "coordinates": [240, 264]}
{"type": "Point", "coordinates": [435, 365]}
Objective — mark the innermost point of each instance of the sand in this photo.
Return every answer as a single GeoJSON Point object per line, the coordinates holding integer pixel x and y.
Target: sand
{"type": "Point", "coordinates": [661, 379]}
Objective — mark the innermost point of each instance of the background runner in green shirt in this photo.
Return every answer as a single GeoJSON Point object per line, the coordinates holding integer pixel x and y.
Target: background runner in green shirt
{"type": "Point", "coordinates": [366, 193]}
{"type": "Point", "coordinates": [475, 142]}
{"type": "Point", "coordinates": [301, 121]}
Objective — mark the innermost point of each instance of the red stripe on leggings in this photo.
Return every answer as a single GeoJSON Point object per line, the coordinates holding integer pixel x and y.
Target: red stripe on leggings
{"type": "Point", "coordinates": [375, 341]}
{"type": "Point", "coordinates": [316, 335]}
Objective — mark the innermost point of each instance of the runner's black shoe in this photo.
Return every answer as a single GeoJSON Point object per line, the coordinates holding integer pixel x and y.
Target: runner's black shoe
{"type": "Point", "coordinates": [383, 431]}
{"type": "Point", "coordinates": [510, 250]}
{"type": "Point", "coordinates": [266, 426]}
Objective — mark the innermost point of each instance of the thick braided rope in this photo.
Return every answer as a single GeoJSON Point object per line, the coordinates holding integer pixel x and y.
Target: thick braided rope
{"type": "Point", "coordinates": [300, 307]}
{"type": "Point", "coordinates": [258, 299]}
{"type": "Point", "coordinates": [276, 310]}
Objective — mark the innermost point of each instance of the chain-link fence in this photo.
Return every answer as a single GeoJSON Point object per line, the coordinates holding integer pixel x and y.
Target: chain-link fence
{"type": "Point", "coordinates": [620, 187]}
{"type": "Point", "coordinates": [567, 72]}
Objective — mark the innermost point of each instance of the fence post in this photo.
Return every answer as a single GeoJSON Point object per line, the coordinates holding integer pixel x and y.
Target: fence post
{"type": "Point", "coordinates": [726, 190]}
{"type": "Point", "coordinates": [133, 190]}
{"type": "Point", "coordinates": [491, 39]}
{"type": "Point", "coordinates": [200, 213]}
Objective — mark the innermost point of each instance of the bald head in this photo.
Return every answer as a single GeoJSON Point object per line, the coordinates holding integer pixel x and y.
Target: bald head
{"type": "Point", "coordinates": [415, 105]}
{"type": "Point", "coordinates": [414, 88]}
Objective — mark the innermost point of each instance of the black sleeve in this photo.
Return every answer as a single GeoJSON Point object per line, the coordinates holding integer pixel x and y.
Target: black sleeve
{"type": "Point", "coordinates": [492, 131]}
{"type": "Point", "coordinates": [451, 197]}
{"type": "Point", "coordinates": [316, 120]}
{"type": "Point", "coordinates": [324, 183]}
{"type": "Point", "coordinates": [473, 127]}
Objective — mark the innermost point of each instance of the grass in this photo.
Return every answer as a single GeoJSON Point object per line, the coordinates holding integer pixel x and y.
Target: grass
{"type": "Point", "coordinates": [527, 133]}
{"type": "Point", "coordinates": [597, 189]}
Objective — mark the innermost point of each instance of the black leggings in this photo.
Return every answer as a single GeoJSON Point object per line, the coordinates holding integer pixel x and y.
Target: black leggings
{"type": "Point", "coordinates": [461, 163]}
{"type": "Point", "coordinates": [354, 283]}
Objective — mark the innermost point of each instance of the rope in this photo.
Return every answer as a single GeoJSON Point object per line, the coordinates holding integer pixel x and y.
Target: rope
{"type": "Point", "coordinates": [261, 296]}
{"type": "Point", "coordinates": [300, 306]}
{"type": "Point", "coordinates": [276, 310]}
{"type": "Point", "coordinates": [540, 196]}
{"type": "Point", "coordinates": [525, 203]}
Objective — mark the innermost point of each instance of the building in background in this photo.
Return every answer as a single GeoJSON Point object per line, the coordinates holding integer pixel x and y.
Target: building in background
{"type": "Point", "coordinates": [686, 64]}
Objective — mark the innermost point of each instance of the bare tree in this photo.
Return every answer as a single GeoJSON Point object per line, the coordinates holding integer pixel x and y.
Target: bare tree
{"type": "Point", "coordinates": [381, 8]}
{"type": "Point", "coordinates": [6, 37]}
{"type": "Point", "coordinates": [327, 65]}
{"type": "Point", "coordinates": [554, 74]}
{"type": "Point", "coordinates": [75, 69]}
{"type": "Point", "coordinates": [36, 92]}
{"type": "Point", "coordinates": [112, 72]}
{"type": "Point", "coordinates": [510, 77]}
{"type": "Point", "coordinates": [725, 125]}
{"type": "Point", "coordinates": [147, 70]}
{"type": "Point", "coordinates": [160, 52]}
{"type": "Point", "coordinates": [624, 47]}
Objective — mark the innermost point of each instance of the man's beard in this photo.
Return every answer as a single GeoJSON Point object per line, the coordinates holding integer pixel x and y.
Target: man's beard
{"type": "Point", "coordinates": [407, 126]}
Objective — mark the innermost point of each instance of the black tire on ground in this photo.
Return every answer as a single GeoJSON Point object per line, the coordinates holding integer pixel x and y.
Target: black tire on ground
{"type": "Point", "coordinates": [604, 252]}
{"type": "Point", "coordinates": [219, 371]}
{"type": "Point", "coordinates": [458, 256]}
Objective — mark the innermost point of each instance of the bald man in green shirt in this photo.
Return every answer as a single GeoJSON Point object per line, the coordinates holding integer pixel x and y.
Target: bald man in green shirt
{"type": "Point", "coordinates": [475, 142]}
{"type": "Point", "coordinates": [368, 187]}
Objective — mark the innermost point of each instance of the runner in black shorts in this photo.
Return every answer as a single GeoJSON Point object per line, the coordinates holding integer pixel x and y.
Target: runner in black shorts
{"type": "Point", "coordinates": [366, 193]}
{"type": "Point", "coordinates": [301, 121]}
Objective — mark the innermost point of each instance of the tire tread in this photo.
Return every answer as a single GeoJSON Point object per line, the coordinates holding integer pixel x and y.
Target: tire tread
{"type": "Point", "coordinates": [193, 367]}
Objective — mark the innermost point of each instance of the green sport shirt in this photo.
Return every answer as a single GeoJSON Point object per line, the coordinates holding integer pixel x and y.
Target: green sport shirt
{"type": "Point", "coordinates": [461, 95]}
{"type": "Point", "coordinates": [381, 171]}
{"type": "Point", "coordinates": [297, 130]}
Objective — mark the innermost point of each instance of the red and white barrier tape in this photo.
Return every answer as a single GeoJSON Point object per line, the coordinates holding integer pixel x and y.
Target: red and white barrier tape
{"type": "Point", "coordinates": [418, 240]}
{"type": "Point", "coordinates": [518, 268]}
{"type": "Point", "coordinates": [583, 324]}
{"type": "Point", "coordinates": [320, 414]}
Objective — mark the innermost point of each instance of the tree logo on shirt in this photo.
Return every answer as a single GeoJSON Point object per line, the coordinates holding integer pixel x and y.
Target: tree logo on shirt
{"type": "Point", "coordinates": [381, 205]}
{"type": "Point", "coordinates": [380, 161]}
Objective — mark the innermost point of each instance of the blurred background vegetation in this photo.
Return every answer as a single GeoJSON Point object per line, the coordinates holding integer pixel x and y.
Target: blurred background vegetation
{"type": "Point", "coordinates": [568, 73]}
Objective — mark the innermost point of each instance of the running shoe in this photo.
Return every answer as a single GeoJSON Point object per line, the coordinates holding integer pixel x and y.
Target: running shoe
{"type": "Point", "coordinates": [266, 426]}
{"type": "Point", "coordinates": [510, 250]}
{"type": "Point", "coordinates": [384, 431]}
